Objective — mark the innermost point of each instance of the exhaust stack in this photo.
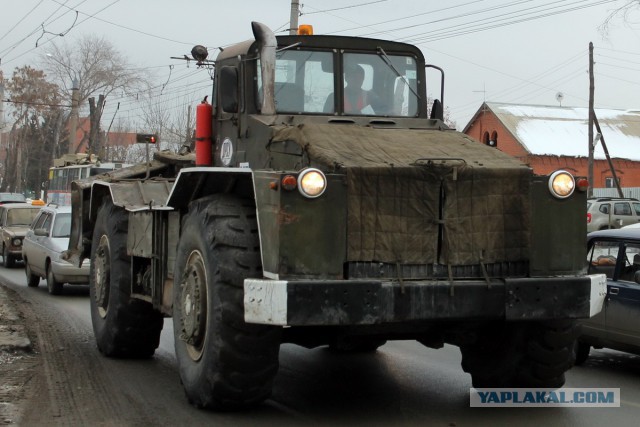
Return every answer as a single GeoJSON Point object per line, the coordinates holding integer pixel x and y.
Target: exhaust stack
{"type": "Point", "coordinates": [267, 41]}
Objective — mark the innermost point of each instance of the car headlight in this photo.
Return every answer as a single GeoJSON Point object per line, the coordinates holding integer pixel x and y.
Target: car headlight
{"type": "Point", "coordinates": [16, 242]}
{"type": "Point", "coordinates": [561, 184]}
{"type": "Point", "coordinates": [312, 183]}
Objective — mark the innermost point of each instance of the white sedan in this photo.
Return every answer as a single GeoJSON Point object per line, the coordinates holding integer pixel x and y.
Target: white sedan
{"type": "Point", "coordinates": [47, 237]}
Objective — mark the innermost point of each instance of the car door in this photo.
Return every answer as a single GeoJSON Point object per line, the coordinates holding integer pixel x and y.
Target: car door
{"type": "Point", "coordinates": [39, 249]}
{"type": "Point", "coordinates": [623, 306]}
{"type": "Point", "coordinates": [622, 214]}
{"type": "Point", "coordinates": [602, 258]}
{"type": "Point", "coordinates": [29, 243]}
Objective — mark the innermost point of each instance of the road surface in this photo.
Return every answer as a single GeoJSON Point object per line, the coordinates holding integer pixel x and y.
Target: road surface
{"type": "Point", "coordinates": [403, 384]}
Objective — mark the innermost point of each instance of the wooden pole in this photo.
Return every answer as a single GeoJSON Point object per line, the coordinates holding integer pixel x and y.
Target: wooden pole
{"type": "Point", "coordinates": [591, 116]}
{"type": "Point", "coordinates": [606, 153]}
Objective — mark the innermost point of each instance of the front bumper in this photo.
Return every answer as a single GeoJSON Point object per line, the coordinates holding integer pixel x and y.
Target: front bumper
{"type": "Point", "coordinates": [66, 272]}
{"type": "Point", "coordinates": [366, 302]}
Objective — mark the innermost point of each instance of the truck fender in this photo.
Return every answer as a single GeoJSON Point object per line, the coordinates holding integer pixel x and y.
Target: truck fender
{"type": "Point", "coordinates": [197, 182]}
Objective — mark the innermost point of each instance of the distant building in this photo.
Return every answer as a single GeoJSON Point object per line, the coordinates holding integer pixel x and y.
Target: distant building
{"type": "Point", "coordinates": [550, 138]}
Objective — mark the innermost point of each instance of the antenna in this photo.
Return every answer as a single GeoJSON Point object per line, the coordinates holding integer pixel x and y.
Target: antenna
{"type": "Point", "coordinates": [483, 91]}
{"type": "Point", "coordinates": [559, 97]}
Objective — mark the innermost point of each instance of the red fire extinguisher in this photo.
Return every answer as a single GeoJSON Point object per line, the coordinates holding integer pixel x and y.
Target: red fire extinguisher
{"type": "Point", "coordinates": [204, 117]}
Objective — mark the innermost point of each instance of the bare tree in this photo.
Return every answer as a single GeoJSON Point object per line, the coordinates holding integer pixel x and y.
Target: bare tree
{"type": "Point", "coordinates": [35, 113]}
{"type": "Point", "coordinates": [625, 12]}
{"type": "Point", "coordinates": [155, 116]}
{"type": "Point", "coordinates": [173, 122]}
{"type": "Point", "coordinates": [95, 67]}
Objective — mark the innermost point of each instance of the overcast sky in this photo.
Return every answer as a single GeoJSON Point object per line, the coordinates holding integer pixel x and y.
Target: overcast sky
{"type": "Point", "coordinates": [515, 51]}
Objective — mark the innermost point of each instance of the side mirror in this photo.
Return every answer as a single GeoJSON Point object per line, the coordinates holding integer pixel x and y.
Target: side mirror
{"type": "Point", "coordinates": [436, 110]}
{"type": "Point", "coordinates": [228, 87]}
{"type": "Point", "coordinates": [41, 232]}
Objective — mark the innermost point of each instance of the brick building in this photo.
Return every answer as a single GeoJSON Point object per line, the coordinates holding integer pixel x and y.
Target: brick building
{"type": "Point", "coordinates": [550, 138]}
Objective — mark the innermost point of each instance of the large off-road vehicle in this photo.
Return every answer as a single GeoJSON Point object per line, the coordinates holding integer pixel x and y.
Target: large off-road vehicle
{"type": "Point", "coordinates": [308, 218]}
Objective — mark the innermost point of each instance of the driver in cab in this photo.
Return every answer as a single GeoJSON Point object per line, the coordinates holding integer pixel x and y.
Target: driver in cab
{"type": "Point", "coordinates": [356, 99]}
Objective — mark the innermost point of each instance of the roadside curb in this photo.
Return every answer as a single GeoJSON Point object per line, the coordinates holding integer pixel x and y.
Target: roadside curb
{"type": "Point", "coordinates": [13, 335]}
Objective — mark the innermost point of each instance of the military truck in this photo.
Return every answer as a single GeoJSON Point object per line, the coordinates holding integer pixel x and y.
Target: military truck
{"type": "Point", "coordinates": [304, 221]}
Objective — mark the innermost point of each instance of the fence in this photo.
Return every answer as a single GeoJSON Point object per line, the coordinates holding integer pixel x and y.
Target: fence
{"type": "Point", "coordinates": [612, 192]}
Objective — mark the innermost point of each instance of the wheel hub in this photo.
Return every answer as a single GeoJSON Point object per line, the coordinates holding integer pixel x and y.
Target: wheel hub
{"type": "Point", "coordinates": [193, 303]}
{"type": "Point", "coordinates": [101, 276]}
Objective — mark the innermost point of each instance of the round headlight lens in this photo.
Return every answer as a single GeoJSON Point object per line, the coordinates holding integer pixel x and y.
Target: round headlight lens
{"type": "Point", "coordinates": [312, 183]}
{"type": "Point", "coordinates": [561, 184]}
{"type": "Point", "coordinates": [17, 242]}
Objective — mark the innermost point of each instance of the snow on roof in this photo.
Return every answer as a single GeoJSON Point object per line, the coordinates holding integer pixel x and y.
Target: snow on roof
{"type": "Point", "coordinates": [563, 131]}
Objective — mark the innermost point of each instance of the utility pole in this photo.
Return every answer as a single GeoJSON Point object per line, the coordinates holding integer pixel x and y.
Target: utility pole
{"type": "Point", "coordinates": [73, 120]}
{"type": "Point", "coordinates": [293, 19]}
{"type": "Point", "coordinates": [1, 105]}
{"type": "Point", "coordinates": [591, 116]}
{"type": "Point", "coordinates": [187, 138]}
{"type": "Point", "coordinates": [606, 153]}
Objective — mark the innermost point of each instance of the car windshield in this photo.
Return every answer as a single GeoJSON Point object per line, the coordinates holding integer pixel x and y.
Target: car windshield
{"type": "Point", "coordinates": [381, 85]}
{"type": "Point", "coordinates": [11, 197]}
{"type": "Point", "coordinates": [21, 216]}
{"type": "Point", "coordinates": [62, 225]}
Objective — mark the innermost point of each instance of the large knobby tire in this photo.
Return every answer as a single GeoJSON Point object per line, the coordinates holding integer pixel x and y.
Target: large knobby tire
{"type": "Point", "coordinates": [33, 280]}
{"type": "Point", "coordinates": [123, 327]}
{"type": "Point", "coordinates": [224, 363]}
{"type": "Point", "coordinates": [521, 354]}
{"type": "Point", "coordinates": [53, 285]}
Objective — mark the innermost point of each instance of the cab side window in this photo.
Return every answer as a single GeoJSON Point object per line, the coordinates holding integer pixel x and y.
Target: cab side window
{"type": "Point", "coordinates": [604, 208]}
{"type": "Point", "coordinates": [47, 223]}
{"type": "Point", "coordinates": [39, 221]}
{"type": "Point", "coordinates": [636, 207]}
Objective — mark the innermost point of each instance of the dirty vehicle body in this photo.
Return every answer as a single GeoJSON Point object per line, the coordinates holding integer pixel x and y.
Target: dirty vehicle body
{"type": "Point", "coordinates": [316, 227]}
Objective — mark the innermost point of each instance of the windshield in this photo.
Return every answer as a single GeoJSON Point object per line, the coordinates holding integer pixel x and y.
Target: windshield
{"type": "Point", "coordinates": [62, 225]}
{"type": "Point", "coordinates": [379, 84]}
{"type": "Point", "coordinates": [21, 216]}
{"type": "Point", "coordinates": [11, 197]}
{"type": "Point", "coordinates": [372, 84]}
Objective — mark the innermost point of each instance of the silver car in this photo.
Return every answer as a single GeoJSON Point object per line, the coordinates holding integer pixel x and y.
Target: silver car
{"type": "Point", "coordinates": [47, 237]}
{"type": "Point", "coordinates": [611, 212]}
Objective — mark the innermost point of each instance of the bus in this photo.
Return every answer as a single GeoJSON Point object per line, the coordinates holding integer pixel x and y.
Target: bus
{"type": "Point", "coordinates": [70, 168]}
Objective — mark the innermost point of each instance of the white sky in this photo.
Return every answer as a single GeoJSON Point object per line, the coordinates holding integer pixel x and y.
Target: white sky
{"type": "Point", "coordinates": [527, 62]}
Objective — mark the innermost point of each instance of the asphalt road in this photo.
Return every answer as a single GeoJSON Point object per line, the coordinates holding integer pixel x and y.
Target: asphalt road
{"type": "Point", "coordinates": [404, 383]}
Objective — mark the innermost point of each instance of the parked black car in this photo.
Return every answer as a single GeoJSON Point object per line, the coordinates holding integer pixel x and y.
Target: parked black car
{"type": "Point", "coordinates": [615, 253]}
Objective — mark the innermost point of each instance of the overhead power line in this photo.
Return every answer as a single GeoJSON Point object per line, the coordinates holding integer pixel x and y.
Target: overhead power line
{"type": "Point", "coordinates": [345, 7]}
{"type": "Point", "coordinates": [503, 20]}
{"type": "Point", "coordinates": [42, 104]}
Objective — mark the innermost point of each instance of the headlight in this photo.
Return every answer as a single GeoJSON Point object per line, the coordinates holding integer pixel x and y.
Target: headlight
{"type": "Point", "coordinates": [561, 184]}
{"type": "Point", "coordinates": [312, 183]}
{"type": "Point", "coordinates": [16, 242]}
